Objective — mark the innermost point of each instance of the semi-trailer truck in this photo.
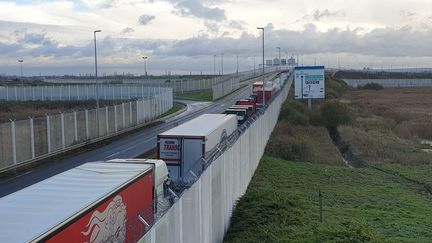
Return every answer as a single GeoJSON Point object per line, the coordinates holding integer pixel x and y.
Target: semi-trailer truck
{"type": "Point", "coordinates": [182, 147]}
{"type": "Point", "coordinates": [110, 201]}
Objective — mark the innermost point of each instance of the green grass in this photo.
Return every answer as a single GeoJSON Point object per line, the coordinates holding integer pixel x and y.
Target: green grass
{"type": "Point", "coordinates": [359, 205]}
{"type": "Point", "coordinates": [202, 96]}
{"type": "Point", "coordinates": [176, 107]}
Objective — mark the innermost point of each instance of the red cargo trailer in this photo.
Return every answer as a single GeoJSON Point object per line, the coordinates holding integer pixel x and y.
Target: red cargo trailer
{"type": "Point", "coordinates": [247, 102]}
{"type": "Point", "coordinates": [94, 202]}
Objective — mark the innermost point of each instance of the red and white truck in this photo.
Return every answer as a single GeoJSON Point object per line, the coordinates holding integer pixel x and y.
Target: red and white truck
{"type": "Point", "coordinates": [111, 201]}
{"type": "Point", "coordinates": [183, 146]}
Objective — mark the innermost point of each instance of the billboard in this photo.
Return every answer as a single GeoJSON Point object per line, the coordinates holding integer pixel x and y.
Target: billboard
{"type": "Point", "coordinates": [309, 82]}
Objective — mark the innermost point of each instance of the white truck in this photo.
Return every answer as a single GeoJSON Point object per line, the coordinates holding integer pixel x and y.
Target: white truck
{"type": "Point", "coordinates": [108, 201]}
{"type": "Point", "coordinates": [183, 146]}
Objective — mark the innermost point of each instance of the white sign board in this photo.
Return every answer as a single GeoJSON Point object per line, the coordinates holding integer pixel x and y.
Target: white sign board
{"type": "Point", "coordinates": [309, 82]}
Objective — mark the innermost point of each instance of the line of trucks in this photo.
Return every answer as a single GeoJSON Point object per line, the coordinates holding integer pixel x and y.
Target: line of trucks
{"type": "Point", "coordinates": [116, 200]}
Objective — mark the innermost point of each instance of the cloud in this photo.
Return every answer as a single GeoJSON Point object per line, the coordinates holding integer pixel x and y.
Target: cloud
{"type": "Point", "coordinates": [318, 15]}
{"type": "Point", "coordinates": [145, 19]}
{"type": "Point", "coordinates": [127, 30]}
{"type": "Point", "coordinates": [196, 8]}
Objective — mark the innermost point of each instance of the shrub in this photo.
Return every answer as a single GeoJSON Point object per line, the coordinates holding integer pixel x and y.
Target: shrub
{"type": "Point", "coordinates": [334, 113]}
{"type": "Point", "coordinates": [294, 112]}
{"type": "Point", "coordinates": [372, 86]}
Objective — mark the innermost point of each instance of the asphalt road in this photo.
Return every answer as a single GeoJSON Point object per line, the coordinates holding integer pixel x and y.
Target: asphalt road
{"type": "Point", "coordinates": [127, 147]}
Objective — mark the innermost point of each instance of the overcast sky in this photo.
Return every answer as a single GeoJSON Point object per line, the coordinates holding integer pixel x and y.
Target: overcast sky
{"type": "Point", "coordinates": [181, 36]}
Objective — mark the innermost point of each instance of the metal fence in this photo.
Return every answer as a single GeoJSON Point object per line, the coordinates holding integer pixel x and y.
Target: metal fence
{"type": "Point", "coordinates": [227, 84]}
{"type": "Point", "coordinates": [75, 92]}
{"type": "Point", "coordinates": [391, 83]}
{"type": "Point", "coordinates": [25, 140]}
{"type": "Point", "coordinates": [202, 213]}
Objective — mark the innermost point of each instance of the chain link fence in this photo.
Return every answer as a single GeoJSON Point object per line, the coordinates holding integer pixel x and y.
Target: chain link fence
{"type": "Point", "coordinates": [30, 139]}
{"type": "Point", "coordinates": [77, 92]}
{"type": "Point", "coordinates": [202, 212]}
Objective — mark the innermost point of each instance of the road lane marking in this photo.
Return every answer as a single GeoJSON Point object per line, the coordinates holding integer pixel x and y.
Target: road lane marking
{"type": "Point", "coordinates": [114, 154]}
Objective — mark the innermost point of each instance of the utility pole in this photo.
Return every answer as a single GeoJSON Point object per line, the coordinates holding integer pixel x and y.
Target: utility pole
{"type": "Point", "coordinates": [97, 87]}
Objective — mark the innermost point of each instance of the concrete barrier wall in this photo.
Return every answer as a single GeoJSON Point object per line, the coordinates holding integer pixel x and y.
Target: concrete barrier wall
{"type": "Point", "coordinates": [203, 211]}
{"type": "Point", "coordinates": [26, 140]}
{"type": "Point", "coordinates": [391, 83]}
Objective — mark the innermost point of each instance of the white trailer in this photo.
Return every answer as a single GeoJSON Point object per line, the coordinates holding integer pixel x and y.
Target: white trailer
{"type": "Point", "coordinates": [182, 147]}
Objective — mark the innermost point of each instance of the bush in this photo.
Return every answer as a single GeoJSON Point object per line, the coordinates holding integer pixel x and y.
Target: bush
{"type": "Point", "coordinates": [294, 112]}
{"type": "Point", "coordinates": [372, 86]}
{"type": "Point", "coordinates": [334, 113]}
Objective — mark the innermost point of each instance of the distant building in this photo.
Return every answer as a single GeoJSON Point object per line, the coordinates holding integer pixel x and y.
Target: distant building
{"type": "Point", "coordinates": [276, 62]}
{"type": "Point", "coordinates": [283, 62]}
{"type": "Point", "coordinates": [292, 62]}
{"type": "Point", "coordinates": [269, 62]}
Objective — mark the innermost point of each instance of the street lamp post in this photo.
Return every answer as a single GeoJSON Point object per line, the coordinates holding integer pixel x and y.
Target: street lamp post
{"type": "Point", "coordinates": [262, 28]}
{"type": "Point", "coordinates": [214, 65]}
{"type": "Point", "coordinates": [145, 65]}
{"type": "Point", "coordinates": [222, 62]}
{"type": "Point", "coordinates": [237, 66]}
{"type": "Point", "coordinates": [254, 64]}
{"type": "Point", "coordinates": [21, 63]}
{"type": "Point", "coordinates": [97, 86]}
{"type": "Point", "coordinates": [279, 55]}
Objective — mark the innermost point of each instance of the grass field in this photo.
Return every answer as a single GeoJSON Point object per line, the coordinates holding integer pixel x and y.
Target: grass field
{"type": "Point", "coordinates": [359, 205]}
{"type": "Point", "coordinates": [389, 201]}
{"type": "Point", "coordinates": [19, 110]}
{"type": "Point", "coordinates": [201, 96]}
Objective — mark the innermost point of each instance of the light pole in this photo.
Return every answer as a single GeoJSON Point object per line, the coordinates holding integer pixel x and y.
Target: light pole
{"type": "Point", "coordinates": [279, 55]}
{"type": "Point", "coordinates": [254, 64]}
{"type": "Point", "coordinates": [21, 63]}
{"type": "Point", "coordinates": [97, 86]}
{"type": "Point", "coordinates": [214, 65]}
{"type": "Point", "coordinates": [262, 28]}
{"type": "Point", "coordinates": [222, 62]}
{"type": "Point", "coordinates": [145, 65]}
{"type": "Point", "coordinates": [237, 65]}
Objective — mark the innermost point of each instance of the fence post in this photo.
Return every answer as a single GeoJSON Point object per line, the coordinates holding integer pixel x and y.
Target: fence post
{"type": "Point", "coordinates": [115, 118]}
{"type": "Point", "coordinates": [51, 92]}
{"type": "Point", "coordinates": [78, 92]}
{"type": "Point", "coordinates": [87, 124]}
{"type": "Point", "coordinates": [48, 133]}
{"type": "Point", "coordinates": [16, 94]}
{"type": "Point", "coordinates": [7, 93]}
{"type": "Point", "coordinates": [33, 95]}
{"type": "Point", "coordinates": [123, 116]}
{"type": "Point", "coordinates": [136, 111]}
{"type": "Point", "coordinates": [14, 154]}
{"type": "Point", "coordinates": [106, 120]}
{"type": "Point", "coordinates": [130, 112]}
{"type": "Point", "coordinates": [32, 138]}
{"type": "Point", "coordinates": [69, 92]}
{"type": "Point", "coordinates": [75, 126]}
{"type": "Point", "coordinates": [62, 130]}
